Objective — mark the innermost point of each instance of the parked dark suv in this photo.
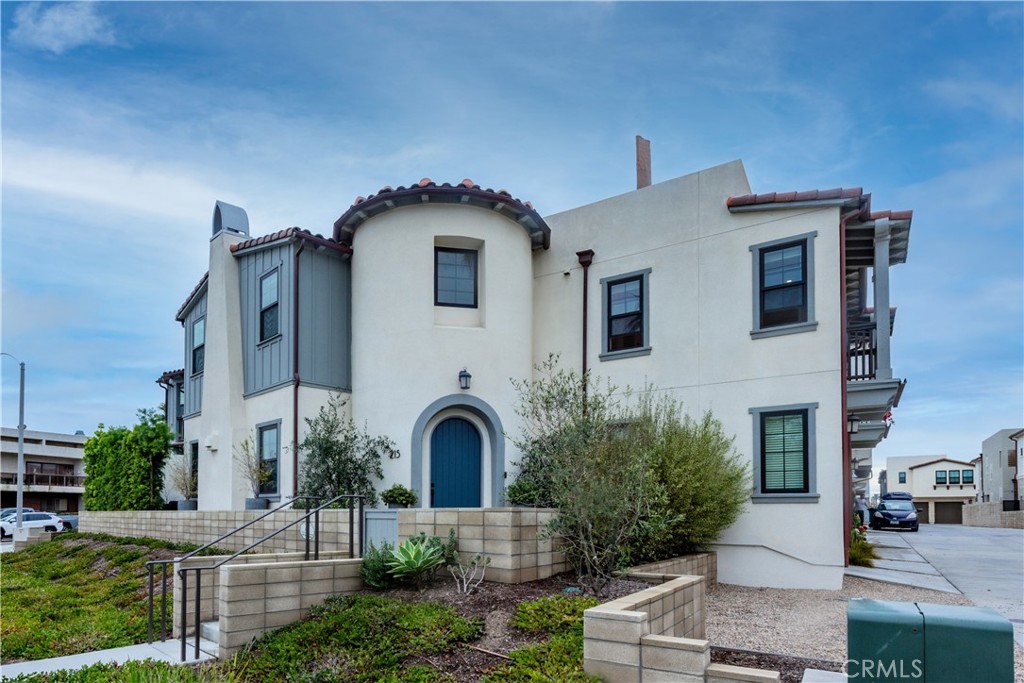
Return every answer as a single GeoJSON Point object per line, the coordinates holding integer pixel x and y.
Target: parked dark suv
{"type": "Point", "coordinates": [895, 512]}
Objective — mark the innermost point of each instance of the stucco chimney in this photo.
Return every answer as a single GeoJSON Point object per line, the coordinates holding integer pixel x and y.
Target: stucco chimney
{"type": "Point", "coordinates": [643, 162]}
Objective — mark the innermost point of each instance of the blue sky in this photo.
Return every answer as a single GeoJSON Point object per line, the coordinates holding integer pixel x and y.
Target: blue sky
{"type": "Point", "coordinates": [122, 123]}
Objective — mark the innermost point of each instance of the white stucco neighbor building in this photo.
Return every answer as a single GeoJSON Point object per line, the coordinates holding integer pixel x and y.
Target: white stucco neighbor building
{"type": "Point", "coordinates": [940, 485]}
{"type": "Point", "coordinates": [758, 307]}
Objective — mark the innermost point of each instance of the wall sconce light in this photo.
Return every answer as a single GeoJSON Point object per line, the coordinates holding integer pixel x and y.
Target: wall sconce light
{"type": "Point", "coordinates": [852, 423]}
{"type": "Point", "coordinates": [464, 378]}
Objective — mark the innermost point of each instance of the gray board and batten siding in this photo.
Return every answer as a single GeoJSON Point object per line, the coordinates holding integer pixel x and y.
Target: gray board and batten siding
{"type": "Point", "coordinates": [324, 302]}
{"type": "Point", "coordinates": [193, 381]}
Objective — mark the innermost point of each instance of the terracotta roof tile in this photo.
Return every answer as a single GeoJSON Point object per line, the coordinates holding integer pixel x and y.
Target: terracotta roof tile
{"type": "Point", "coordinates": [802, 196]}
{"type": "Point", "coordinates": [290, 233]}
{"type": "Point", "coordinates": [932, 462]}
{"type": "Point", "coordinates": [171, 374]}
{"type": "Point", "coordinates": [346, 225]}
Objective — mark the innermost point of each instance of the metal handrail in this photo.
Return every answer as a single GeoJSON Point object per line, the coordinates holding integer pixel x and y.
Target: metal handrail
{"type": "Point", "coordinates": [183, 571]}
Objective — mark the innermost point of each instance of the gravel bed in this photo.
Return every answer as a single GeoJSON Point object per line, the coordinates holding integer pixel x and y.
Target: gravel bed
{"type": "Point", "coordinates": [806, 623]}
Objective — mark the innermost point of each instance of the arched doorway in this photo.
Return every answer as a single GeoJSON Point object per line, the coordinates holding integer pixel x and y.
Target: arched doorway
{"type": "Point", "coordinates": [455, 464]}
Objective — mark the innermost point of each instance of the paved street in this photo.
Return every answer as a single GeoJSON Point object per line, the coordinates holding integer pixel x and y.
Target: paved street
{"type": "Point", "coordinates": [986, 565]}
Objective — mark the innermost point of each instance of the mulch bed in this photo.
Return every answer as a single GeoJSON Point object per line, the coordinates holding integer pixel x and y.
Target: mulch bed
{"type": "Point", "coordinates": [495, 604]}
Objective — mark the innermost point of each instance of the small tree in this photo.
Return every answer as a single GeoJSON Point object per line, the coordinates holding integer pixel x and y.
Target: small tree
{"type": "Point", "coordinates": [339, 458]}
{"type": "Point", "coordinates": [254, 470]}
{"type": "Point", "coordinates": [183, 478]}
{"type": "Point", "coordinates": [632, 476]}
{"type": "Point", "coordinates": [124, 467]}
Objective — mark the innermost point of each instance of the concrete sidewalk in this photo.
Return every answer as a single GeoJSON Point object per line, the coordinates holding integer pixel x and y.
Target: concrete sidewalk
{"type": "Point", "coordinates": [167, 651]}
{"type": "Point", "coordinates": [901, 564]}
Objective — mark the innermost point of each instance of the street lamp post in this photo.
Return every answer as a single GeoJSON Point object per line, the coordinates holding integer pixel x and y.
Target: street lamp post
{"type": "Point", "coordinates": [21, 445]}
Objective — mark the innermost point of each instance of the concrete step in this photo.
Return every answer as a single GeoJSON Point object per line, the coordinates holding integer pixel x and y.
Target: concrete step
{"type": "Point", "coordinates": [210, 630]}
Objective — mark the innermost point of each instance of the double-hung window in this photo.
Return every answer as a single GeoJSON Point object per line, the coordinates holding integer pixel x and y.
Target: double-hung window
{"type": "Point", "coordinates": [903, 477]}
{"type": "Point", "coordinates": [198, 346]}
{"type": "Point", "coordinates": [270, 319]}
{"type": "Point", "coordinates": [968, 476]}
{"type": "Point", "coordinates": [194, 461]}
{"type": "Point", "coordinates": [940, 477]}
{"type": "Point", "coordinates": [954, 476]}
{"type": "Point", "coordinates": [625, 323]}
{"type": "Point", "coordinates": [455, 277]}
{"type": "Point", "coordinates": [269, 438]}
{"type": "Point", "coordinates": [785, 460]}
{"type": "Point", "coordinates": [784, 286]}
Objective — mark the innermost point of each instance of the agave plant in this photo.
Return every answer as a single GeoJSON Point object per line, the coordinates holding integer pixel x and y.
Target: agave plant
{"type": "Point", "coordinates": [415, 561]}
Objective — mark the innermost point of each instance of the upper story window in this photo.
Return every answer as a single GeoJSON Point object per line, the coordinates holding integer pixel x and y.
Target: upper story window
{"type": "Point", "coordinates": [903, 477]}
{"type": "Point", "coordinates": [269, 436]}
{"type": "Point", "coordinates": [954, 476]}
{"type": "Point", "coordinates": [455, 277]}
{"type": "Point", "coordinates": [968, 476]}
{"type": "Point", "coordinates": [940, 476]}
{"type": "Point", "coordinates": [784, 286]}
{"type": "Point", "coordinates": [785, 463]}
{"type": "Point", "coordinates": [198, 346]}
{"type": "Point", "coordinates": [625, 323]}
{"type": "Point", "coordinates": [269, 317]}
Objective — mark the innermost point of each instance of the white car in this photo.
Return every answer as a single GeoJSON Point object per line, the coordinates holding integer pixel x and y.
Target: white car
{"type": "Point", "coordinates": [30, 520]}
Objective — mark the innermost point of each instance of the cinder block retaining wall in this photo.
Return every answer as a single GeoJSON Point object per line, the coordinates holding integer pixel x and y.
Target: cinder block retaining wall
{"type": "Point", "coordinates": [255, 598]}
{"type": "Point", "coordinates": [511, 537]}
{"type": "Point", "coordinates": [698, 564]}
{"type": "Point", "coordinates": [185, 526]}
{"type": "Point", "coordinates": [209, 599]}
{"type": "Point", "coordinates": [657, 635]}
{"type": "Point", "coordinates": [992, 515]}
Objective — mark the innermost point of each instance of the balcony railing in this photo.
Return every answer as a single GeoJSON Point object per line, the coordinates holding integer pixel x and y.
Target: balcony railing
{"type": "Point", "coordinates": [862, 352]}
{"type": "Point", "coordinates": [44, 479]}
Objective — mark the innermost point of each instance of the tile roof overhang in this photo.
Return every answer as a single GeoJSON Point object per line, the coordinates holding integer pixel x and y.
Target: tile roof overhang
{"type": "Point", "coordinates": [932, 462]}
{"type": "Point", "coordinates": [171, 375]}
{"type": "Point", "coordinates": [428, 192]}
{"type": "Point", "coordinates": [191, 299]}
{"type": "Point", "coordinates": [854, 203]}
{"type": "Point", "coordinates": [289, 234]}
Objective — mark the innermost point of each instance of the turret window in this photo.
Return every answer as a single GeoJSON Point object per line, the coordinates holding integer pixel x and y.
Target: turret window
{"type": "Point", "coordinates": [455, 277]}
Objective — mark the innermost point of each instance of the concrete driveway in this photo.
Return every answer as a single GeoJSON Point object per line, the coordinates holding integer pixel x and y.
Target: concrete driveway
{"type": "Point", "coordinates": [986, 565]}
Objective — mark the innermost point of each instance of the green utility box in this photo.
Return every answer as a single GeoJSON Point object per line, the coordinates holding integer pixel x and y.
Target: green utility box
{"type": "Point", "coordinates": [907, 642]}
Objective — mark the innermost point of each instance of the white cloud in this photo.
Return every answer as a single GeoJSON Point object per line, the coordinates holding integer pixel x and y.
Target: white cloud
{"type": "Point", "coordinates": [59, 28]}
{"type": "Point", "coordinates": [1000, 100]}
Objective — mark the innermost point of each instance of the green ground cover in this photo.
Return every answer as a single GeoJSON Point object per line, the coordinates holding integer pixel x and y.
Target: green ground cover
{"type": "Point", "coordinates": [75, 594]}
{"type": "Point", "coordinates": [363, 638]}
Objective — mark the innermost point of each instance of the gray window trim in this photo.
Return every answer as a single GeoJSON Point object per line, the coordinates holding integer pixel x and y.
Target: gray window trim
{"type": "Point", "coordinates": [645, 307]}
{"type": "Point", "coordinates": [259, 444]}
{"type": "Point", "coordinates": [901, 478]}
{"type": "Point", "coordinates": [261, 308]}
{"type": "Point", "coordinates": [758, 332]}
{"type": "Point", "coordinates": [192, 346]}
{"type": "Point", "coordinates": [812, 494]}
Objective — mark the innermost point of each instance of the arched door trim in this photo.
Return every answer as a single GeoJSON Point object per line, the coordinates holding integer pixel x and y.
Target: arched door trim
{"type": "Point", "coordinates": [494, 435]}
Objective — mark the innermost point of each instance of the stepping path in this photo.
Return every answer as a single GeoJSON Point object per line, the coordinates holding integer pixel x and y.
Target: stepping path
{"type": "Point", "coordinates": [167, 651]}
{"type": "Point", "coordinates": [901, 564]}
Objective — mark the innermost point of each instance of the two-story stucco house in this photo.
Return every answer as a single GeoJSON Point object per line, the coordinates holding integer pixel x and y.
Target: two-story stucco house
{"type": "Point", "coordinates": [755, 306]}
{"type": "Point", "coordinates": [940, 485]}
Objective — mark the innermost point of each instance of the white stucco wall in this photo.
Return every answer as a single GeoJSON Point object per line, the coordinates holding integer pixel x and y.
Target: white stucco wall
{"type": "Point", "coordinates": [996, 452]}
{"type": "Point", "coordinates": [700, 317]}
{"type": "Point", "coordinates": [407, 353]}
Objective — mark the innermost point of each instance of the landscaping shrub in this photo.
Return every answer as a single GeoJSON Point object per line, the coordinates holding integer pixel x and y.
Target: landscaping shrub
{"type": "Point", "coordinates": [862, 553]}
{"type": "Point", "coordinates": [633, 478]}
{"type": "Point", "coordinates": [415, 560]}
{"type": "Point", "coordinates": [124, 467]}
{"type": "Point", "coordinates": [339, 458]}
{"type": "Point", "coordinates": [375, 570]}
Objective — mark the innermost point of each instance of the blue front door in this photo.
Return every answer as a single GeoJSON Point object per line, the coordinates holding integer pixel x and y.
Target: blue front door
{"type": "Point", "coordinates": [455, 465]}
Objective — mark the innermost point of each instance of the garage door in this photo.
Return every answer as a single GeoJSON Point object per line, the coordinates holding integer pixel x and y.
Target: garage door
{"type": "Point", "coordinates": [949, 513]}
{"type": "Point", "coordinates": [922, 513]}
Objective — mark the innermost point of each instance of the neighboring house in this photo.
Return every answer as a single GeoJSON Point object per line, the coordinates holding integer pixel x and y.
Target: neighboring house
{"type": "Point", "coordinates": [940, 485]}
{"type": "Point", "coordinates": [1000, 479]}
{"type": "Point", "coordinates": [54, 470]}
{"type": "Point", "coordinates": [728, 299]}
